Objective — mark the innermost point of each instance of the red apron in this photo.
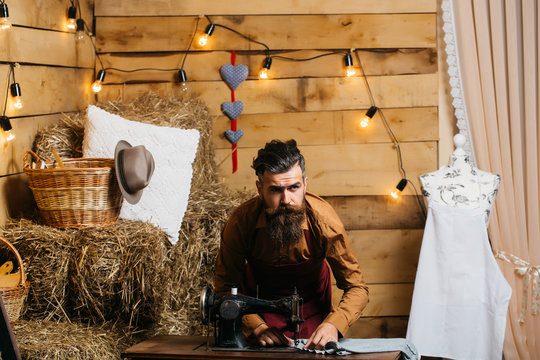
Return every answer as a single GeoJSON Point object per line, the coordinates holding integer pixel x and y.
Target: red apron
{"type": "Point", "coordinates": [310, 277]}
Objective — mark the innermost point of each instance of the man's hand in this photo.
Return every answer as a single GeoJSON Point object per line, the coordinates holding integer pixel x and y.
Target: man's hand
{"type": "Point", "coordinates": [324, 333]}
{"type": "Point", "coordinates": [270, 336]}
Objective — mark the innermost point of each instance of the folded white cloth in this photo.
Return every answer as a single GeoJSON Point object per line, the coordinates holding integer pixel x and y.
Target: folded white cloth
{"type": "Point", "coordinates": [360, 346]}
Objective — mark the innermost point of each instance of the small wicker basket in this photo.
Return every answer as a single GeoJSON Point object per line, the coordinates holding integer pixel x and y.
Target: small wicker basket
{"type": "Point", "coordinates": [83, 193]}
{"type": "Point", "coordinates": [14, 298]}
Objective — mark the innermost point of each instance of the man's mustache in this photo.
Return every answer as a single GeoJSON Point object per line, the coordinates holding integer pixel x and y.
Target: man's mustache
{"type": "Point", "coordinates": [285, 209]}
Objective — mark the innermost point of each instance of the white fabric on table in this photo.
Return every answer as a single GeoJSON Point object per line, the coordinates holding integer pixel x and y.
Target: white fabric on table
{"type": "Point", "coordinates": [362, 346]}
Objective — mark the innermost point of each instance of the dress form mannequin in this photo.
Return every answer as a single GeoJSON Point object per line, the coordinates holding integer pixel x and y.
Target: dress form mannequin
{"type": "Point", "coordinates": [460, 297]}
{"type": "Point", "coordinates": [460, 184]}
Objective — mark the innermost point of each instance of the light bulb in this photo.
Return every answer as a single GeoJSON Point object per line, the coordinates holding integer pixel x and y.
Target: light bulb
{"type": "Point", "coordinates": [184, 86]}
{"type": "Point", "coordinates": [80, 30]}
{"type": "Point", "coordinates": [4, 23]}
{"type": "Point", "coordinates": [399, 188]}
{"type": "Point", "coordinates": [349, 65]}
{"type": "Point", "coordinates": [5, 125]}
{"type": "Point", "coordinates": [263, 74]}
{"type": "Point", "coordinates": [71, 24]}
{"type": "Point", "coordinates": [72, 16]}
{"type": "Point", "coordinates": [18, 103]}
{"type": "Point", "coordinates": [4, 14]}
{"type": "Point", "coordinates": [364, 121]}
{"type": "Point", "coordinates": [203, 39]}
{"type": "Point", "coordinates": [17, 96]}
{"type": "Point", "coordinates": [8, 135]}
{"type": "Point", "coordinates": [96, 85]}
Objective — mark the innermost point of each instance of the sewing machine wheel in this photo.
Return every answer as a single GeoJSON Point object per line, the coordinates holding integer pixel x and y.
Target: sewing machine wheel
{"type": "Point", "coordinates": [205, 304]}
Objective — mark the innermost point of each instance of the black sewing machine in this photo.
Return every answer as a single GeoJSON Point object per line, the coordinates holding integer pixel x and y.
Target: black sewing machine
{"type": "Point", "coordinates": [225, 313]}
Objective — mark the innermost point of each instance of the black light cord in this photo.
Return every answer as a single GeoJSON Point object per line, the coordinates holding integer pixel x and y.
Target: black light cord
{"type": "Point", "coordinates": [371, 98]}
{"type": "Point", "coordinates": [7, 88]}
{"type": "Point", "coordinates": [190, 42]}
{"type": "Point", "coordinates": [12, 68]}
{"type": "Point", "coordinates": [244, 36]}
{"type": "Point", "coordinates": [141, 69]}
{"type": "Point", "coordinates": [93, 44]}
{"type": "Point", "coordinates": [392, 135]}
{"type": "Point", "coordinates": [239, 33]}
{"type": "Point", "coordinates": [385, 122]}
{"type": "Point", "coordinates": [135, 70]}
{"type": "Point", "coordinates": [79, 7]}
{"type": "Point", "coordinates": [307, 59]}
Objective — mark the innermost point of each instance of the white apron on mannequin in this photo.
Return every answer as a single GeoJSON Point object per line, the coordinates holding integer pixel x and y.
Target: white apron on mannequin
{"type": "Point", "coordinates": [460, 297]}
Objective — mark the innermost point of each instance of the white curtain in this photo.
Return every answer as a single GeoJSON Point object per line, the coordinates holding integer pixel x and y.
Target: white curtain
{"type": "Point", "coordinates": [497, 52]}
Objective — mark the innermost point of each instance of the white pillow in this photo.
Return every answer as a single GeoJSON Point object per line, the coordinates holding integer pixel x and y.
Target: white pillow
{"type": "Point", "coordinates": [165, 200]}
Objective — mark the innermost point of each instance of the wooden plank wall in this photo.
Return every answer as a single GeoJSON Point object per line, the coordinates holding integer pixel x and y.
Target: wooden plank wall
{"type": "Point", "coordinates": [312, 102]}
{"type": "Point", "coordinates": [54, 73]}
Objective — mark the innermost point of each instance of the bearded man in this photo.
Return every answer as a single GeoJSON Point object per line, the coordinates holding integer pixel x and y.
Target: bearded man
{"type": "Point", "coordinates": [283, 239]}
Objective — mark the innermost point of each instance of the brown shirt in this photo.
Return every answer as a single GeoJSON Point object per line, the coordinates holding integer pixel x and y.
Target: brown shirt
{"type": "Point", "coordinates": [245, 231]}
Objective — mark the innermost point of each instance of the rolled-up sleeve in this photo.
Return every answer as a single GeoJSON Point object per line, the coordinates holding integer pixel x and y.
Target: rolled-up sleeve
{"type": "Point", "coordinates": [350, 279]}
{"type": "Point", "coordinates": [345, 268]}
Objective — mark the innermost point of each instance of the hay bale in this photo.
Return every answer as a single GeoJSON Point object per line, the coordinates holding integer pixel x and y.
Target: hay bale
{"type": "Point", "coordinates": [191, 260]}
{"type": "Point", "coordinates": [193, 257]}
{"type": "Point", "coordinates": [120, 272]}
{"type": "Point", "coordinates": [48, 340]}
{"type": "Point", "coordinates": [46, 254]}
{"type": "Point", "coordinates": [66, 137]}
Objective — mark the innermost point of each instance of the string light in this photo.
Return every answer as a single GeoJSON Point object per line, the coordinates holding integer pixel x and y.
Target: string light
{"type": "Point", "coordinates": [4, 14]}
{"type": "Point", "coordinates": [263, 74]}
{"type": "Point", "coordinates": [96, 86]}
{"type": "Point", "coordinates": [15, 89]}
{"type": "Point", "coordinates": [399, 188]}
{"type": "Point", "coordinates": [5, 125]}
{"type": "Point", "coordinates": [349, 65]}
{"type": "Point", "coordinates": [72, 18]}
{"type": "Point", "coordinates": [183, 80]}
{"type": "Point", "coordinates": [364, 121]}
{"type": "Point", "coordinates": [203, 39]}
{"type": "Point", "coordinates": [80, 29]}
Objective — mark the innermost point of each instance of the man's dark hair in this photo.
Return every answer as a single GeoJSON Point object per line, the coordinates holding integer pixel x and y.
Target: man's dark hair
{"type": "Point", "coordinates": [278, 157]}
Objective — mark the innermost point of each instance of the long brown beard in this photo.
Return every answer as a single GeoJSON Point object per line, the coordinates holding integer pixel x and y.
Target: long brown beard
{"type": "Point", "coordinates": [284, 224]}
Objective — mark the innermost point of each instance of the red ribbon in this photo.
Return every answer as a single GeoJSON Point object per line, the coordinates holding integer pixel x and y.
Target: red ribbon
{"type": "Point", "coordinates": [233, 124]}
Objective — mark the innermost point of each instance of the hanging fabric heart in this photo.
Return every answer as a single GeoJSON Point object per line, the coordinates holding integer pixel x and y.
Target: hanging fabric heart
{"type": "Point", "coordinates": [232, 109]}
{"type": "Point", "coordinates": [233, 75]}
{"type": "Point", "coordinates": [234, 136]}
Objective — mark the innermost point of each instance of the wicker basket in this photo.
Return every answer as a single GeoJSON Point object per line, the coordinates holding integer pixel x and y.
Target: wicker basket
{"type": "Point", "coordinates": [83, 193]}
{"type": "Point", "coordinates": [14, 298]}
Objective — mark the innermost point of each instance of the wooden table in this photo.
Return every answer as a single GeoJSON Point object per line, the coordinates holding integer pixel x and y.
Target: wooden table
{"type": "Point", "coordinates": [194, 347]}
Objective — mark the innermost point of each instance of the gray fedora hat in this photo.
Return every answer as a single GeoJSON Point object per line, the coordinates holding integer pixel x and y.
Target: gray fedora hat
{"type": "Point", "coordinates": [134, 169]}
